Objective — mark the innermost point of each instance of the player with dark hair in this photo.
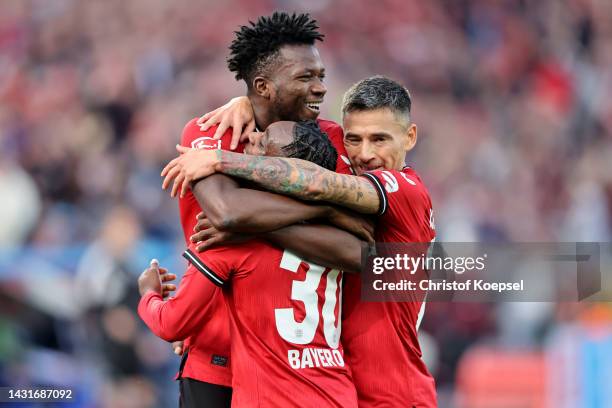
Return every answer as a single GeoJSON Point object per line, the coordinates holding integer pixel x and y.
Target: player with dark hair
{"type": "Point", "coordinates": [271, 352]}
{"type": "Point", "coordinates": [307, 143]}
{"type": "Point", "coordinates": [284, 79]}
{"type": "Point", "coordinates": [385, 358]}
{"type": "Point", "coordinates": [285, 82]}
{"type": "Point", "coordinates": [281, 66]}
{"type": "Point", "coordinates": [257, 48]}
{"type": "Point", "coordinates": [289, 74]}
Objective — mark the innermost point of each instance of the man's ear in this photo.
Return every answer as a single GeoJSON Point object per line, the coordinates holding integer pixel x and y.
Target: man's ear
{"type": "Point", "coordinates": [263, 87]}
{"type": "Point", "coordinates": [410, 138]}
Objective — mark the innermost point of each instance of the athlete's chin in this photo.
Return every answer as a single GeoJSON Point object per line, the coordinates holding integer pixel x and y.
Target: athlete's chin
{"type": "Point", "coordinates": [309, 114]}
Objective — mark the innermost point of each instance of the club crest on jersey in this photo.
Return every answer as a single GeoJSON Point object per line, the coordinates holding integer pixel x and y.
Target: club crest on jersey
{"type": "Point", "coordinates": [206, 142]}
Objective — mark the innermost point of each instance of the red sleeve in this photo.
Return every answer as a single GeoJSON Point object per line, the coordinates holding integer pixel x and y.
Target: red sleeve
{"type": "Point", "coordinates": [403, 196]}
{"type": "Point", "coordinates": [177, 318]}
{"type": "Point", "coordinates": [336, 136]}
{"type": "Point", "coordinates": [193, 137]}
{"type": "Point", "coordinates": [218, 263]}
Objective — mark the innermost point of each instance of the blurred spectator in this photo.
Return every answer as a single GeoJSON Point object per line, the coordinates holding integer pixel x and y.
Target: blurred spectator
{"type": "Point", "coordinates": [20, 205]}
{"type": "Point", "coordinates": [511, 99]}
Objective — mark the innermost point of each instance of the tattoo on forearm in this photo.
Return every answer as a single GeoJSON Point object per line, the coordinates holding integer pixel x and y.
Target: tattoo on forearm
{"type": "Point", "coordinates": [301, 179]}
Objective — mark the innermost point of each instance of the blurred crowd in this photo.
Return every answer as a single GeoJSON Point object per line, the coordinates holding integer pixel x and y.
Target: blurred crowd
{"type": "Point", "coordinates": [512, 102]}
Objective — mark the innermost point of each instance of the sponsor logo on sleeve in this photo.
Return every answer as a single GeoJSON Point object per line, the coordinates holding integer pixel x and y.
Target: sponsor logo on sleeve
{"type": "Point", "coordinates": [408, 179]}
{"type": "Point", "coordinates": [391, 184]}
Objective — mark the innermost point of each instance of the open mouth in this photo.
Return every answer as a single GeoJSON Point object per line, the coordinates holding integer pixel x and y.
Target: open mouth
{"type": "Point", "coordinates": [370, 168]}
{"type": "Point", "coordinates": [314, 106]}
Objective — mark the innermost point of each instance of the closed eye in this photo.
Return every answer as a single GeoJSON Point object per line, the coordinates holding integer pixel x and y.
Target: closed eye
{"type": "Point", "coordinates": [352, 140]}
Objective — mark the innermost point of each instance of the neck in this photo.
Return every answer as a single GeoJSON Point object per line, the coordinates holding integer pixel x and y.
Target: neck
{"type": "Point", "coordinates": [402, 164]}
{"type": "Point", "coordinates": [263, 116]}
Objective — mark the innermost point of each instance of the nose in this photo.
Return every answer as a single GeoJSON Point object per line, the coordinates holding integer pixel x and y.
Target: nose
{"type": "Point", "coordinates": [318, 89]}
{"type": "Point", "coordinates": [366, 153]}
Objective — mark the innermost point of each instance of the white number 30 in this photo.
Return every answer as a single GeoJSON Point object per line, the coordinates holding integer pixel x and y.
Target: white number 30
{"type": "Point", "coordinates": [306, 292]}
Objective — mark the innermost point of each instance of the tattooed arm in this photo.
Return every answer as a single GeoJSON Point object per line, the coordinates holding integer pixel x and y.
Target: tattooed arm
{"type": "Point", "coordinates": [293, 177]}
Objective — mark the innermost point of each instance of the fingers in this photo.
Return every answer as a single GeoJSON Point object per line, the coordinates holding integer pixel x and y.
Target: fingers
{"type": "Point", "coordinates": [370, 235]}
{"type": "Point", "coordinates": [167, 277]}
{"type": "Point", "coordinates": [202, 224]}
{"type": "Point", "coordinates": [223, 126]}
{"type": "Point", "coordinates": [363, 234]}
{"type": "Point", "coordinates": [367, 235]}
{"type": "Point", "coordinates": [208, 243]}
{"type": "Point", "coordinates": [173, 168]}
{"type": "Point", "coordinates": [211, 119]}
{"type": "Point", "coordinates": [167, 288]}
{"type": "Point", "coordinates": [177, 347]}
{"type": "Point", "coordinates": [154, 268]}
{"type": "Point", "coordinates": [207, 238]}
{"type": "Point", "coordinates": [169, 178]}
{"type": "Point", "coordinates": [185, 186]}
{"type": "Point", "coordinates": [199, 221]}
{"type": "Point", "coordinates": [183, 149]}
{"type": "Point", "coordinates": [236, 133]}
{"type": "Point", "coordinates": [250, 127]}
{"type": "Point", "coordinates": [174, 172]}
{"type": "Point", "coordinates": [370, 239]}
{"type": "Point", "coordinates": [171, 173]}
{"type": "Point", "coordinates": [370, 228]}
{"type": "Point", "coordinates": [204, 233]}
{"type": "Point", "coordinates": [171, 164]}
{"type": "Point", "coordinates": [178, 182]}
{"type": "Point", "coordinates": [202, 120]}
{"type": "Point", "coordinates": [197, 237]}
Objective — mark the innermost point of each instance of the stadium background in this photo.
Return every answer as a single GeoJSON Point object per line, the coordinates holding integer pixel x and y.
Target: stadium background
{"type": "Point", "coordinates": [512, 99]}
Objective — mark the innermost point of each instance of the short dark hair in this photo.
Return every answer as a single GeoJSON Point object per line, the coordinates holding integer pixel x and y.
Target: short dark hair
{"type": "Point", "coordinates": [312, 144]}
{"type": "Point", "coordinates": [256, 47]}
{"type": "Point", "coordinates": [375, 93]}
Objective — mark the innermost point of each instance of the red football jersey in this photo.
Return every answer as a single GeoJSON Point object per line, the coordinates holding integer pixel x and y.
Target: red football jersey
{"type": "Point", "coordinates": [183, 317]}
{"type": "Point", "coordinates": [208, 348]}
{"type": "Point", "coordinates": [336, 136]}
{"type": "Point", "coordinates": [285, 325]}
{"type": "Point", "coordinates": [193, 137]}
{"type": "Point", "coordinates": [380, 338]}
{"type": "Point", "coordinates": [204, 329]}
